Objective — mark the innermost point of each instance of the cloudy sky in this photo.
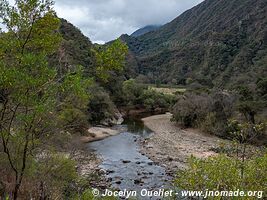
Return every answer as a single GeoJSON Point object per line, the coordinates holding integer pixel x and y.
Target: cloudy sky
{"type": "Point", "coordinates": [105, 20]}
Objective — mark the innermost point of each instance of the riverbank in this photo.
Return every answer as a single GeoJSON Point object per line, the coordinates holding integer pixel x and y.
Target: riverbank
{"type": "Point", "coordinates": [87, 165]}
{"type": "Point", "coordinates": [170, 146]}
{"type": "Point", "coordinates": [98, 133]}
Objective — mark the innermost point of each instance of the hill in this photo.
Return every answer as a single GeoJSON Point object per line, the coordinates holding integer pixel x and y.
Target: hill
{"type": "Point", "coordinates": [206, 46]}
{"type": "Point", "coordinates": [145, 30]}
{"type": "Point", "coordinates": [76, 49]}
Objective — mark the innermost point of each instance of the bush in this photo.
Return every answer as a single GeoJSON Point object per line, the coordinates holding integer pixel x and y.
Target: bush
{"type": "Point", "coordinates": [209, 124]}
{"type": "Point", "coordinates": [209, 112]}
{"type": "Point", "coordinates": [74, 120]}
{"type": "Point", "coordinates": [191, 109]}
{"type": "Point", "coordinates": [100, 105]}
{"type": "Point", "coordinates": [152, 100]}
{"type": "Point", "coordinates": [224, 174]}
{"type": "Point", "coordinates": [132, 92]}
{"type": "Point", "coordinates": [136, 94]}
{"type": "Point", "coordinates": [48, 176]}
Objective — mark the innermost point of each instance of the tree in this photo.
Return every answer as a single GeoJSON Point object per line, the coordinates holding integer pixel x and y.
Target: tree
{"type": "Point", "coordinates": [132, 92]}
{"type": "Point", "coordinates": [109, 58]}
{"type": "Point", "coordinates": [32, 92]}
{"type": "Point", "coordinates": [262, 86]}
{"type": "Point", "coordinates": [100, 105]}
{"type": "Point", "coordinates": [249, 103]}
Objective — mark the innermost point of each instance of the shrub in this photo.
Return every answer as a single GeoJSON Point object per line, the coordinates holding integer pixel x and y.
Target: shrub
{"type": "Point", "coordinates": [132, 92]}
{"type": "Point", "coordinates": [224, 174]}
{"type": "Point", "coordinates": [100, 105]}
{"type": "Point", "coordinates": [74, 120]}
{"type": "Point", "coordinates": [153, 99]}
{"type": "Point", "coordinates": [191, 109]}
{"type": "Point", "coordinates": [209, 112]}
{"type": "Point", "coordinates": [47, 177]}
{"type": "Point", "coordinates": [136, 94]}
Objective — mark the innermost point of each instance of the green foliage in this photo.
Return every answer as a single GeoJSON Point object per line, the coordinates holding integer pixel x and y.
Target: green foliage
{"type": "Point", "coordinates": [210, 123]}
{"type": "Point", "coordinates": [76, 49]}
{"type": "Point", "coordinates": [245, 132]}
{"type": "Point", "coordinates": [153, 99]}
{"type": "Point", "coordinates": [132, 92]}
{"type": "Point", "coordinates": [73, 120]}
{"type": "Point", "coordinates": [250, 103]}
{"type": "Point", "coordinates": [100, 106]}
{"type": "Point", "coordinates": [35, 97]}
{"type": "Point", "coordinates": [136, 94]}
{"type": "Point", "coordinates": [55, 172]}
{"type": "Point", "coordinates": [262, 86]}
{"type": "Point", "coordinates": [109, 58]}
{"type": "Point", "coordinates": [223, 173]}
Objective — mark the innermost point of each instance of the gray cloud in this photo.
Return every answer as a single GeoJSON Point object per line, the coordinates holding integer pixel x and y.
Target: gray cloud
{"type": "Point", "coordinates": [105, 20]}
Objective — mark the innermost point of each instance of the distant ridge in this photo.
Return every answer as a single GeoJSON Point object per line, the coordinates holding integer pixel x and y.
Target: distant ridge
{"type": "Point", "coordinates": [145, 30]}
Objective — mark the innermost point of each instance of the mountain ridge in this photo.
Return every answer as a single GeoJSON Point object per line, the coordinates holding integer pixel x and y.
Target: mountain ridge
{"type": "Point", "coordinates": [145, 30]}
{"type": "Point", "coordinates": [205, 43]}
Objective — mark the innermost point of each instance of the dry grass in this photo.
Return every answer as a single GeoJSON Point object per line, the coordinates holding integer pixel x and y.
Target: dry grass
{"type": "Point", "coordinates": [168, 90]}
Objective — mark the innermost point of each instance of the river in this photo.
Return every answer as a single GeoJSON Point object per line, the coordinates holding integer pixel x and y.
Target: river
{"type": "Point", "coordinates": [126, 167]}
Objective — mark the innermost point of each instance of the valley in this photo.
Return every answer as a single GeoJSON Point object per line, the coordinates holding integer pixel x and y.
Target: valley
{"type": "Point", "coordinates": [171, 108]}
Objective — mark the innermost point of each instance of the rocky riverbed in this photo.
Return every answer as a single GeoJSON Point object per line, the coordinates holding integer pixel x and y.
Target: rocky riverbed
{"type": "Point", "coordinates": [171, 146]}
{"type": "Point", "coordinates": [123, 163]}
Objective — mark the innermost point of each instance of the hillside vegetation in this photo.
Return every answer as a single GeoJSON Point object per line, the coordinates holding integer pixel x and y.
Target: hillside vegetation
{"type": "Point", "coordinates": [206, 46]}
{"type": "Point", "coordinates": [145, 30]}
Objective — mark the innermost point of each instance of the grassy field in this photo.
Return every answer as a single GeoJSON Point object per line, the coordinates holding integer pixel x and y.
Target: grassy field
{"type": "Point", "coordinates": [167, 90]}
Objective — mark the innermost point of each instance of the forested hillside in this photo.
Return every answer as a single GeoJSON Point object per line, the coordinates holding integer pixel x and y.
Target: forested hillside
{"type": "Point", "coordinates": [75, 49]}
{"type": "Point", "coordinates": [220, 42]}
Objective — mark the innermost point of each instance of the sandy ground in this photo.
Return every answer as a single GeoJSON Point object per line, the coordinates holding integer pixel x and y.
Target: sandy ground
{"type": "Point", "coordinates": [98, 133]}
{"type": "Point", "coordinates": [170, 146]}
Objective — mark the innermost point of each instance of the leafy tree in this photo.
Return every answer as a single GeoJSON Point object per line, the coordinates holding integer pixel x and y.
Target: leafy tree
{"type": "Point", "coordinates": [53, 172]}
{"type": "Point", "coordinates": [33, 94]}
{"type": "Point", "coordinates": [109, 58]}
{"type": "Point", "coordinates": [132, 92]}
{"type": "Point", "coordinates": [100, 105]}
{"type": "Point", "coordinates": [244, 133]}
{"type": "Point", "coordinates": [153, 100]}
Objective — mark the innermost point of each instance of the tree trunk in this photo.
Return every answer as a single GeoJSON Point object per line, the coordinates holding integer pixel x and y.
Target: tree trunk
{"type": "Point", "coordinates": [16, 191]}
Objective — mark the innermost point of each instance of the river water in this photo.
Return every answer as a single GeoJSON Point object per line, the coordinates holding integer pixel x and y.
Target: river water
{"type": "Point", "coordinates": [126, 167]}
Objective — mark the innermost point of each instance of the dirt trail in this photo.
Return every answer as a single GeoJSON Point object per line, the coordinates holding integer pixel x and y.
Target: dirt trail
{"type": "Point", "coordinates": [170, 146]}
